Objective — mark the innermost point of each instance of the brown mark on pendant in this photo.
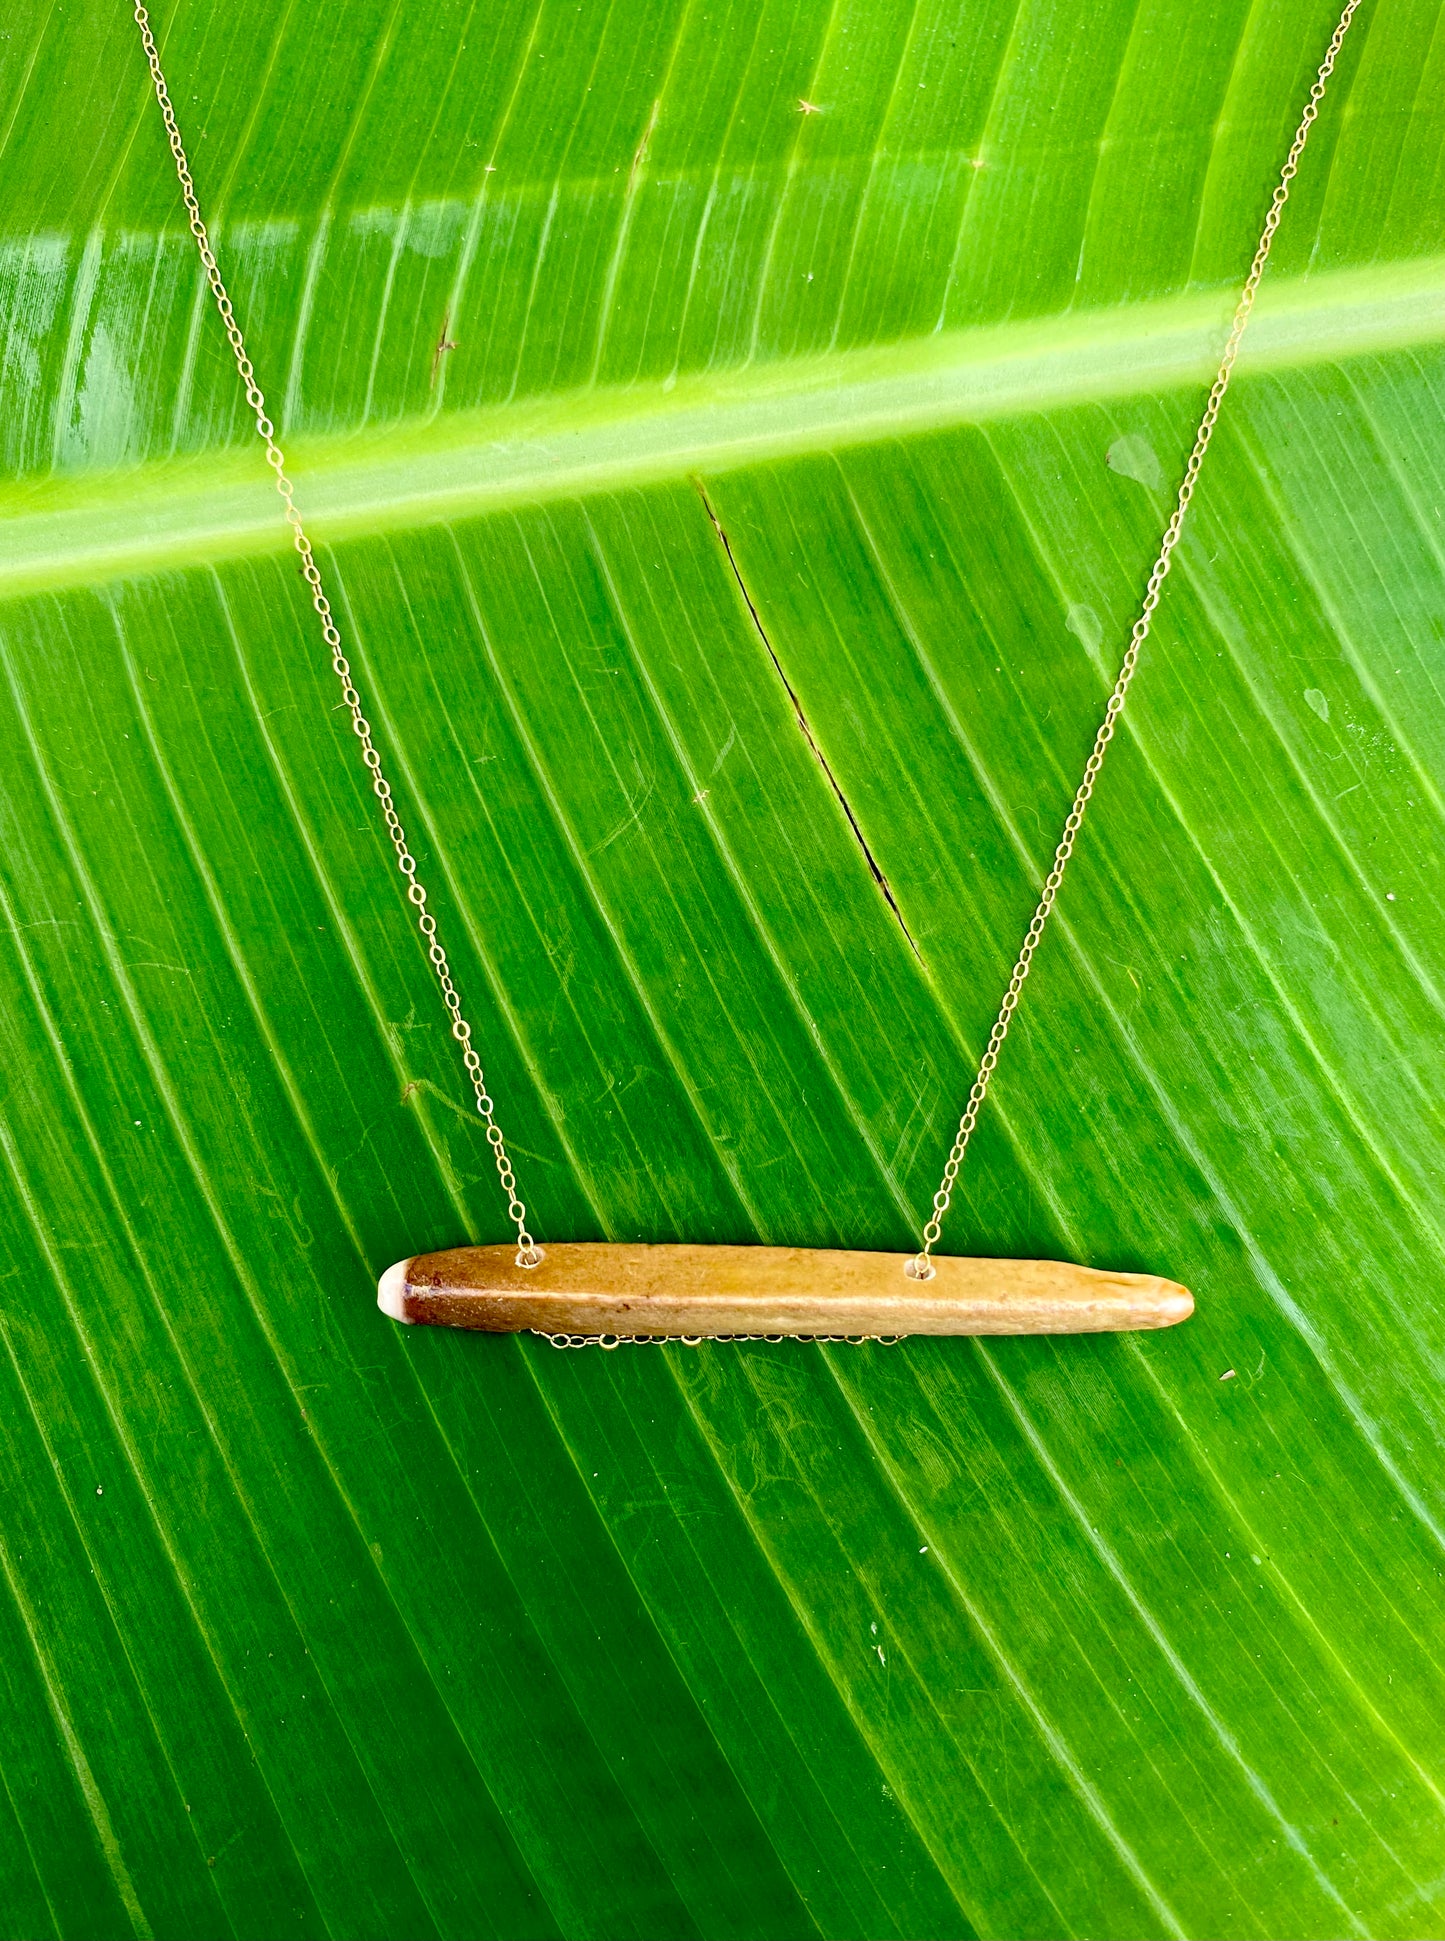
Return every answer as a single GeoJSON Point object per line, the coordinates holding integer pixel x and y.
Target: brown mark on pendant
{"type": "Point", "coordinates": [802, 720]}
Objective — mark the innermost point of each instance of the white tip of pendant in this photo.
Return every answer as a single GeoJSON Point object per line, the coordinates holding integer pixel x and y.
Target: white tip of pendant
{"type": "Point", "coordinates": [1177, 1303]}
{"type": "Point", "coordinates": [391, 1292]}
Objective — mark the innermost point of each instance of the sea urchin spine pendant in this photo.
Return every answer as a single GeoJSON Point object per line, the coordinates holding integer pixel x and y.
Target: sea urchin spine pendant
{"type": "Point", "coordinates": [597, 1288]}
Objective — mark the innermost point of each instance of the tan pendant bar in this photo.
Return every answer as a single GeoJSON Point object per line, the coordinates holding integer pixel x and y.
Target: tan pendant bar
{"type": "Point", "coordinates": [598, 1288]}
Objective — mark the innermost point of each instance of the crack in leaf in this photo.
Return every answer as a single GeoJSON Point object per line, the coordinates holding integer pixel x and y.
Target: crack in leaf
{"type": "Point", "coordinates": [802, 720]}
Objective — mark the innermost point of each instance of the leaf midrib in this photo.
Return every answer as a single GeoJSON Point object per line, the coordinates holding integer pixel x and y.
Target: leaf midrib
{"type": "Point", "coordinates": [83, 528]}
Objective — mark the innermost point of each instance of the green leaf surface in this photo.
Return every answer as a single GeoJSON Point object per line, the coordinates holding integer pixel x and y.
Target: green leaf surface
{"type": "Point", "coordinates": [310, 1625]}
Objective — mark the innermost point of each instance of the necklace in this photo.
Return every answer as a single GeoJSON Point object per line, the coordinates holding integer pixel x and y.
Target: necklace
{"type": "Point", "coordinates": [584, 1293]}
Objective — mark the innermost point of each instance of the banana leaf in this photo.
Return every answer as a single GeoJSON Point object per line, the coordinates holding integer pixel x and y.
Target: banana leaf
{"type": "Point", "coordinates": [736, 439]}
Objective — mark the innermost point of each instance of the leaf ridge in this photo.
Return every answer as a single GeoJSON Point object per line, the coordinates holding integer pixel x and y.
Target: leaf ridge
{"type": "Point", "coordinates": [761, 929]}
{"type": "Point", "coordinates": [114, 1413]}
{"type": "Point", "coordinates": [495, 983]}
{"type": "Point", "coordinates": [825, 1660]}
{"type": "Point", "coordinates": [1107, 1555]}
{"type": "Point", "coordinates": [239, 1265]}
{"type": "Point", "coordinates": [661, 1036]}
{"type": "Point", "coordinates": [116, 1417]}
{"type": "Point", "coordinates": [480, 195]}
{"type": "Point", "coordinates": [1269, 1279]}
{"type": "Point", "coordinates": [546, 1396]}
{"type": "Point", "coordinates": [1263, 1268]}
{"type": "Point", "coordinates": [75, 1752]}
{"type": "Point", "coordinates": [1060, 1750]}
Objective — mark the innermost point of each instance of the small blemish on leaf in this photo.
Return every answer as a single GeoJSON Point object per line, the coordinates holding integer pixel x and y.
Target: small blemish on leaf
{"type": "Point", "coordinates": [1133, 457]}
{"type": "Point", "coordinates": [1317, 701]}
{"type": "Point", "coordinates": [1084, 624]}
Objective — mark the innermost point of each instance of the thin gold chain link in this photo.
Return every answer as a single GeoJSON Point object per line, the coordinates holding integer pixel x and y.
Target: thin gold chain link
{"type": "Point", "coordinates": [920, 1267]}
{"type": "Point", "coordinates": [696, 1340]}
{"type": "Point", "coordinates": [529, 1253]}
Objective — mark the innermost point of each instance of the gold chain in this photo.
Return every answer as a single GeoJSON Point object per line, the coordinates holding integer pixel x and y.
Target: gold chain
{"type": "Point", "coordinates": [696, 1340]}
{"type": "Point", "coordinates": [920, 1267]}
{"type": "Point", "coordinates": [529, 1253]}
